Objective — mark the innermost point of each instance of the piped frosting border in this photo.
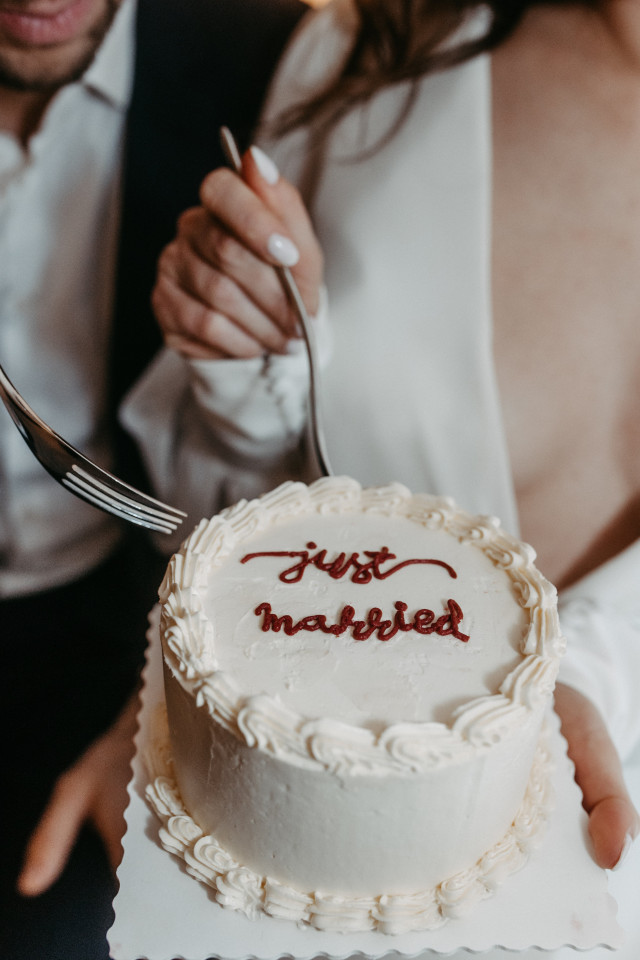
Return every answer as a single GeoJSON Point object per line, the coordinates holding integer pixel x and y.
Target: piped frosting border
{"type": "Point", "coordinates": [411, 748]}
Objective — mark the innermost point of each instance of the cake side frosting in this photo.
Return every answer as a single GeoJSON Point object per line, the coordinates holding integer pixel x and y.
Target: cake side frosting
{"type": "Point", "coordinates": [237, 887]}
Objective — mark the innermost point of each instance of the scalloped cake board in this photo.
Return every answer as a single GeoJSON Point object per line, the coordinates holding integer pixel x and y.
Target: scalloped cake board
{"type": "Point", "coordinates": [560, 898]}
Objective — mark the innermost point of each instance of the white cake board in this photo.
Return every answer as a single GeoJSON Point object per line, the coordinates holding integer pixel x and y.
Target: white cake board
{"type": "Point", "coordinates": [559, 898]}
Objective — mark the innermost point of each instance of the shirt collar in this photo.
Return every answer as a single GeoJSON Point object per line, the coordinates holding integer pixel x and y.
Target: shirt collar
{"type": "Point", "coordinates": [111, 73]}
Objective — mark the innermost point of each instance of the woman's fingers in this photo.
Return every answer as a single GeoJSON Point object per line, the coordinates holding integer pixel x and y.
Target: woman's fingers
{"type": "Point", "coordinates": [612, 831]}
{"type": "Point", "coordinates": [269, 217]}
{"type": "Point", "coordinates": [215, 298]}
{"type": "Point", "coordinates": [217, 293]}
{"type": "Point", "coordinates": [613, 820]}
{"type": "Point", "coordinates": [223, 267]}
{"type": "Point", "coordinates": [233, 203]}
{"type": "Point", "coordinates": [204, 313]}
{"type": "Point", "coordinates": [280, 196]}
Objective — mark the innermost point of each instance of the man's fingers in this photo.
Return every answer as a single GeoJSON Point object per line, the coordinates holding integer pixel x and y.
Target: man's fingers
{"type": "Point", "coordinates": [53, 838]}
{"type": "Point", "coordinates": [94, 788]}
{"type": "Point", "coordinates": [108, 818]}
{"type": "Point", "coordinates": [613, 820]}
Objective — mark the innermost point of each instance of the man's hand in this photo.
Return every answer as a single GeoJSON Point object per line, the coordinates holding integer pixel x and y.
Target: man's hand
{"type": "Point", "coordinates": [93, 790]}
{"type": "Point", "coordinates": [613, 820]}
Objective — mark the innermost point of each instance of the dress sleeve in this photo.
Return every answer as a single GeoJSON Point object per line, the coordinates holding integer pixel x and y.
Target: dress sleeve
{"type": "Point", "coordinates": [600, 617]}
{"type": "Point", "coordinates": [212, 432]}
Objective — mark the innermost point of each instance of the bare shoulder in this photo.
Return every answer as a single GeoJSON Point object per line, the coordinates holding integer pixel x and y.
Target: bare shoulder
{"type": "Point", "coordinates": [566, 288]}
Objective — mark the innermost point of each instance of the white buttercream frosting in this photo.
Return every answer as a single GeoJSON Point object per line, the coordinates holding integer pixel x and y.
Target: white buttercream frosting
{"type": "Point", "coordinates": [241, 889]}
{"type": "Point", "coordinates": [210, 628]}
{"type": "Point", "coordinates": [356, 680]}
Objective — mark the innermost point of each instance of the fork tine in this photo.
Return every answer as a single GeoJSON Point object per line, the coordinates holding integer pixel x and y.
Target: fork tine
{"type": "Point", "coordinates": [119, 490]}
{"type": "Point", "coordinates": [119, 508]}
{"type": "Point", "coordinates": [78, 479]}
{"type": "Point", "coordinates": [80, 475]}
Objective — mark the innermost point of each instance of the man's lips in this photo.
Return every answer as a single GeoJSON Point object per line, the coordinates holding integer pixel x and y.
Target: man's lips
{"type": "Point", "coordinates": [42, 23]}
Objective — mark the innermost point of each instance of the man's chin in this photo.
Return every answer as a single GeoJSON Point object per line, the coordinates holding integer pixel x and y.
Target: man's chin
{"type": "Point", "coordinates": [44, 69]}
{"type": "Point", "coordinates": [46, 75]}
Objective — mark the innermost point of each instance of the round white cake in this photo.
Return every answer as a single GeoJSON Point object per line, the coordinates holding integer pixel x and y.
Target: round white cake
{"type": "Point", "coordinates": [356, 685]}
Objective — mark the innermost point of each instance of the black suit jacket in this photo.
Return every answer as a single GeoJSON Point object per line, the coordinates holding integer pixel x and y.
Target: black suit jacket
{"type": "Point", "coordinates": [199, 64]}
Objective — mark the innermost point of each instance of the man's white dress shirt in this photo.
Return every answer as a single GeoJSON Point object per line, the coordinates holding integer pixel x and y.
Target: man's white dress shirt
{"type": "Point", "coordinates": [59, 215]}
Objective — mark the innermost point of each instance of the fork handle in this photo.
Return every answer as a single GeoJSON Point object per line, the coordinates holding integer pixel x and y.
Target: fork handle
{"type": "Point", "coordinates": [232, 153]}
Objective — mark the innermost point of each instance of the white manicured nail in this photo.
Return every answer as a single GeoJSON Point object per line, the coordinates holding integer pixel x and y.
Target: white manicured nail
{"type": "Point", "coordinates": [283, 250]}
{"type": "Point", "coordinates": [628, 842]}
{"type": "Point", "coordinates": [266, 167]}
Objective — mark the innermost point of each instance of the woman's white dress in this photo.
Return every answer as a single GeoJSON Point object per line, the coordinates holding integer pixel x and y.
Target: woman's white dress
{"type": "Point", "coordinates": [408, 387]}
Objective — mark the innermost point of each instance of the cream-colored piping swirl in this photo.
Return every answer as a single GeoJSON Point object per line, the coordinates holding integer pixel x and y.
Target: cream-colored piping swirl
{"type": "Point", "coordinates": [410, 747]}
{"type": "Point", "coordinates": [239, 888]}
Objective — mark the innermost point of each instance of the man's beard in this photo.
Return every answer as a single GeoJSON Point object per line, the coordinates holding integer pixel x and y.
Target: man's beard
{"type": "Point", "coordinates": [46, 78]}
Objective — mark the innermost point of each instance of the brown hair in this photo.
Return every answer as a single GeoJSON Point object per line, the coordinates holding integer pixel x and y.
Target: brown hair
{"type": "Point", "coordinates": [399, 40]}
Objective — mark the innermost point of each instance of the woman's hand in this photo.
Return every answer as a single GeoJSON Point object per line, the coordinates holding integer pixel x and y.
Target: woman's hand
{"type": "Point", "coordinates": [93, 790]}
{"type": "Point", "coordinates": [613, 820]}
{"type": "Point", "coordinates": [217, 294]}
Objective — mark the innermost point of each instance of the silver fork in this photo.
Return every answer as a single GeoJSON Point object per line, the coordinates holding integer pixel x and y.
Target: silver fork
{"type": "Point", "coordinates": [232, 153]}
{"type": "Point", "coordinates": [81, 476]}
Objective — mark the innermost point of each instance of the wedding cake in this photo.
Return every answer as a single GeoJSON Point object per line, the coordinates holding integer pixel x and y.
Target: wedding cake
{"type": "Point", "coordinates": [356, 687]}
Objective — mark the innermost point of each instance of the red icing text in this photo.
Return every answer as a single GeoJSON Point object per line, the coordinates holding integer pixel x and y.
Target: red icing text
{"type": "Point", "coordinates": [363, 571]}
{"type": "Point", "coordinates": [423, 622]}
